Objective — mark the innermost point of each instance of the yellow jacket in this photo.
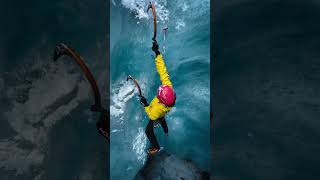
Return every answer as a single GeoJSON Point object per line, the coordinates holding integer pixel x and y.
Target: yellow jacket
{"type": "Point", "coordinates": [157, 110]}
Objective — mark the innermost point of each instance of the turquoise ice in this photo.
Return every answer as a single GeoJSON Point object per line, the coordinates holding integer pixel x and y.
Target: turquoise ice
{"type": "Point", "coordinates": [186, 50]}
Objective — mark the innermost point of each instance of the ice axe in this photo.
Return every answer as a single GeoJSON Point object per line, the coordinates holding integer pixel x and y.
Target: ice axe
{"type": "Point", "coordinates": [151, 6]}
{"type": "Point", "coordinates": [103, 126]}
{"type": "Point", "coordinates": [136, 84]}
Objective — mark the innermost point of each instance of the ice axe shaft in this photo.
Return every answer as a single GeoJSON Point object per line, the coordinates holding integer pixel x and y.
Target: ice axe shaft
{"type": "Point", "coordinates": [61, 50]}
{"type": "Point", "coordinates": [136, 84]}
{"type": "Point", "coordinates": [151, 6]}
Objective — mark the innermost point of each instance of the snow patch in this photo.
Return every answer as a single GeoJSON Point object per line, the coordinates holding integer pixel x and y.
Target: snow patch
{"type": "Point", "coordinates": [139, 144]}
{"type": "Point", "coordinates": [139, 7]}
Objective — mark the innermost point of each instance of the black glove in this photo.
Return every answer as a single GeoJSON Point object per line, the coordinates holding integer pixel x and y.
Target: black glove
{"type": "Point", "coordinates": [155, 48]}
{"type": "Point", "coordinates": [144, 101]}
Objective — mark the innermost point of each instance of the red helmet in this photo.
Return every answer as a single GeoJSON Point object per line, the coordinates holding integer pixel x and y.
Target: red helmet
{"type": "Point", "coordinates": [166, 95]}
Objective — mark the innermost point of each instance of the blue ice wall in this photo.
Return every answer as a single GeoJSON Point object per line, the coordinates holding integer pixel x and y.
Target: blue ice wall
{"type": "Point", "coordinates": [186, 50]}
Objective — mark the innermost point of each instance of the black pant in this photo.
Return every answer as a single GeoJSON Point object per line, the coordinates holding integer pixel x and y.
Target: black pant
{"type": "Point", "coordinates": [150, 133]}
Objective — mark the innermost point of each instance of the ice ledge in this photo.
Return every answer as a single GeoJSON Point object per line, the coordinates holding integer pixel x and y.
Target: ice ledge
{"type": "Point", "coordinates": [169, 167]}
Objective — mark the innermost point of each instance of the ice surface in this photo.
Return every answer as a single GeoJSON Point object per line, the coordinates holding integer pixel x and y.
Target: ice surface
{"type": "Point", "coordinates": [186, 52]}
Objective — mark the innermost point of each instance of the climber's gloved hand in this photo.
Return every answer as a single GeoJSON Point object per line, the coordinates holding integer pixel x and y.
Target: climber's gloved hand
{"type": "Point", "coordinates": [143, 101]}
{"type": "Point", "coordinates": [155, 47]}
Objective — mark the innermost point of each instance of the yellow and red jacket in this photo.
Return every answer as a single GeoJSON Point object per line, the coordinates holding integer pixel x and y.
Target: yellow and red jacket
{"type": "Point", "coordinates": [157, 110]}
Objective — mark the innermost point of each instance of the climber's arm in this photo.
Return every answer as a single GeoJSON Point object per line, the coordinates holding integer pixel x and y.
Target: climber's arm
{"type": "Point", "coordinates": [162, 70]}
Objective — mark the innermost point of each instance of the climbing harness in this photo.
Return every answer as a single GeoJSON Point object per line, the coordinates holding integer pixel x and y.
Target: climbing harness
{"type": "Point", "coordinates": [156, 124]}
{"type": "Point", "coordinates": [103, 124]}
